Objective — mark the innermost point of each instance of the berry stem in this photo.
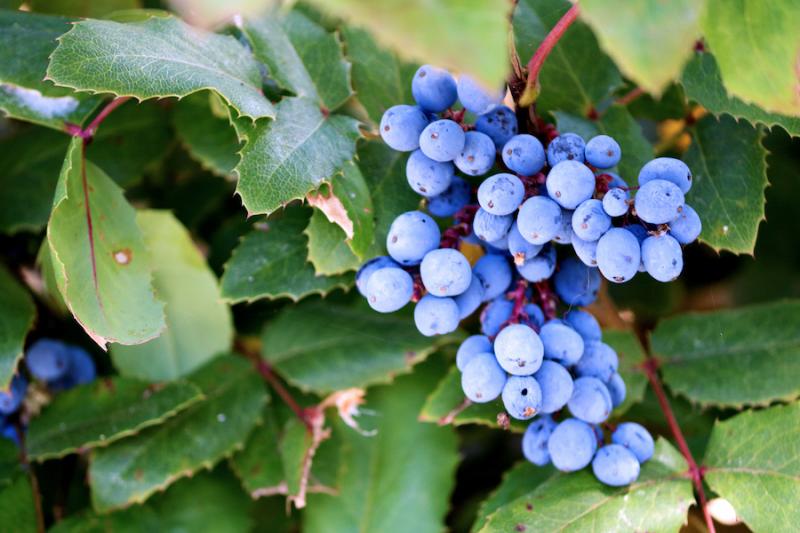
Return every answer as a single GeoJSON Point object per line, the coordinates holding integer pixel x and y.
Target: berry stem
{"type": "Point", "coordinates": [539, 57]}
{"type": "Point", "coordinates": [650, 368]}
{"type": "Point", "coordinates": [462, 227]}
{"type": "Point", "coordinates": [519, 297]}
{"type": "Point", "coordinates": [88, 132]}
{"type": "Point", "coordinates": [547, 299]}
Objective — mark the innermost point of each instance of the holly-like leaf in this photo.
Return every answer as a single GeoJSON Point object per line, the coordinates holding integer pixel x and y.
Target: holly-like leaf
{"type": "Point", "coordinates": [398, 480]}
{"type": "Point", "coordinates": [577, 74]}
{"type": "Point", "coordinates": [352, 345]}
{"type": "Point", "coordinates": [752, 461]}
{"type": "Point", "coordinates": [26, 41]}
{"type": "Point", "coordinates": [208, 138]}
{"type": "Point", "coordinates": [271, 262]}
{"type": "Point", "coordinates": [199, 323]}
{"type": "Point", "coordinates": [756, 47]}
{"type": "Point", "coordinates": [16, 502]}
{"type": "Point", "coordinates": [703, 83]}
{"type": "Point", "coordinates": [161, 56]}
{"type": "Point", "coordinates": [381, 79]}
{"type": "Point", "coordinates": [327, 247]}
{"type": "Point", "coordinates": [103, 412]}
{"type": "Point", "coordinates": [302, 57]}
{"type": "Point", "coordinates": [631, 357]}
{"type": "Point", "coordinates": [518, 481]}
{"type": "Point", "coordinates": [293, 155]}
{"type": "Point", "coordinates": [16, 318]}
{"type": "Point", "coordinates": [618, 123]}
{"type": "Point", "coordinates": [730, 173]}
{"type": "Point", "coordinates": [650, 40]}
{"type": "Point", "coordinates": [657, 501]}
{"type": "Point", "coordinates": [99, 258]}
{"type": "Point", "coordinates": [132, 469]}
{"type": "Point", "coordinates": [731, 358]}
{"type": "Point", "coordinates": [471, 38]}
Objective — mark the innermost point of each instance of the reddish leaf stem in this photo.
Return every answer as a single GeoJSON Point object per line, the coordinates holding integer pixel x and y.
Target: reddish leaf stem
{"type": "Point", "coordinates": [630, 96]}
{"type": "Point", "coordinates": [88, 132]}
{"type": "Point", "coordinates": [539, 57]}
{"type": "Point", "coordinates": [650, 368]}
{"type": "Point", "coordinates": [269, 376]}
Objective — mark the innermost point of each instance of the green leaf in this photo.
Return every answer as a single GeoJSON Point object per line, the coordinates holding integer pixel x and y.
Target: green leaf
{"type": "Point", "coordinates": [577, 74]}
{"type": "Point", "coordinates": [703, 84]}
{"type": "Point", "coordinates": [199, 323]}
{"type": "Point", "coordinates": [657, 501]}
{"type": "Point", "coordinates": [472, 35]}
{"type": "Point", "coordinates": [302, 57]}
{"type": "Point", "coordinates": [291, 156]}
{"type": "Point", "coordinates": [99, 256]}
{"type": "Point", "coordinates": [650, 40]}
{"type": "Point", "coordinates": [17, 313]}
{"type": "Point", "coordinates": [26, 41]}
{"type": "Point", "coordinates": [158, 57]}
{"type": "Point", "coordinates": [751, 461]}
{"type": "Point", "coordinates": [380, 78]}
{"type": "Point", "coordinates": [731, 358]}
{"type": "Point", "coordinates": [518, 481]}
{"type": "Point", "coordinates": [17, 508]}
{"type": "Point", "coordinates": [756, 47]}
{"type": "Point", "coordinates": [327, 247]}
{"type": "Point", "coordinates": [730, 174]}
{"type": "Point", "coordinates": [398, 480]}
{"type": "Point", "coordinates": [131, 470]}
{"type": "Point", "coordinates": [83, 8]}
{"type": "Point", "coordinates": [103, 412]}
{"type": "Point", "coordinates": [272, 263]}
{"type": "Point", "coordinates": [617, 122]}
{"type": "Point", "coordinates": [631, 357]}
{"type": "Point", "coordinates": [352, 345]}
{"type": "Point", "coordinates": [208, 138]}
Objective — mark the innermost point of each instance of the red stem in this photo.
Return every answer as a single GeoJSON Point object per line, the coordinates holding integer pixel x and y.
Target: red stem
{"type": "Point", "coordinates": [650, 367]}
{"type": "Point", "coordinates": [269, 376]}
{"type": "Point", "coordinates": [629, 97]}
{"type": "Point", "coordinates": [88, 132]}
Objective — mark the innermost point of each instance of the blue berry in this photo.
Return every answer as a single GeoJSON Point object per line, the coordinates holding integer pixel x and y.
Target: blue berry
{"type": "Point", "coordinates": [615, 202]}
{"type": "Point", "coordinates": [540, 267]}
{"type": "Point", "coordinates": [389, 289]}
{"type": "Point", "coordinates": [534, 440]}
{"type": "Point", "coordinates": [618, 255]}
{"type": "Point", "coordinates": [81, 370]}
{"type": "Point", "coordinates": [521, 250]}
{"type": "Point", "coordinates": [11, 400]}
{"type": "Point", "coordinates": [590, 221]}
{"type": "Point", "coordinates": [452, 200]}
{"type": "Point", "coordinates": [428, 177]}
{"type": "Point", "coordinates": [603, 152]}
{"type": "Point", "coordinates": [47, 359]}
{"type": "Point", "coordinates": [641, 233]}
{"type": "Point", "coordinates": [662, 257]}
{"type": "Point", "coordinates": [500, 125]}
{"type": "Point", "coordinates": [501, 194]}
{"type": "Point", "coordinates": [687, 227]}
{"type": "Point", "coordinates": [577, 284]}
{"type": "Point", "coordinates": [401, 126]}
{"type": "Point", "coordinates": [495, 275]}
{"type": "Point", "coordinates": [636, 438]}
{"type": "Point", "coordinates": [445, 272]}
{"type": "Point", "coordinates": [524, 154]}
{"type": "Point", "coordinates": [475, 98]}
{"type": "Point", "coordinates": [585, 324]}
{"type": "Point", "coordinates": [535, 318]}
{"type": "Point", "coordinates": [658, 202]}
{"type": "Point", "coordinates": [617, 389]}
{"type": "Point", "coordinates": [615, 181]}
{"type": "Point", "coordinates": [599, 361]}
{"type": "Point", "coordinates": [522, 397]}
{"type": "Point", "coordinates": [615, 465]}
{"type": "Point", "coordinates": [566, 147]}
{"type": "Point", "coordinates": [590, 400]}
{"type": "Point", "coordinates": [436, 316]}
{"type": "Point", "coordinates": [489, 227]}
{"type": "Point", "coordinates": [564, 234]}
{"type": "Point", "coordinates": [471, 347]}
{"type": "Point", "coordinates": [482, 378]}
{"type": "Point", "coordinates": [539, 219]}
{"type": "Point", "coordinates": [478, 155]}
{"type": "Point", "coordinates": [469, 300]}
{"type": "Point", "coordinates": [519, 350]}
{"type": "Point", "coordinates": [442, 140]}
{"type": "Point", "coordinates": [570, 183]}
{"type": "Point", "coordinates": [572, 445]}
{"type": "Point", "coordinates": [556, 385]}
{"type": "Point", "coordinates": [412, 235]}
{"type": "Point", "coordinates": [669, 169]}
{"type": "Point", "coordinates": [585, 250]}
{"type": "Point", "coordinates": [561, 343]}
{"type": "Point", "coordinates": [370, 267]}
{"type": "Point", "coordinates": [433, 88]}
{"type": "Point", "coordinates": [495, 315]}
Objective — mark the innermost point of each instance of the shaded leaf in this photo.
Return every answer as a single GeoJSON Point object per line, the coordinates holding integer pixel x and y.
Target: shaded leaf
{"type": "Point", "coordinates": [16, 504]}
{"type": "Point", "coordinates": [729, 167]}
{"type": "Point", "coordinates": [631, 357]}
{"type": "Point", "coordinates": [730, 358]}
{"type": "Point", "coordinates": [158, 57]}
{"type": "Point", "coordinates": [17, 313]}
{"type": "Point", "coordinates": [99, 257]}
{"type": "Point", "coordinates": [199, 323]}
{"type": "Point", "coordinates": [131, 470]}
{"type": "Point", "coordinates": [517, 481]}
{"type": "Point", "coordinates": [752, 461]}
{"type": "Point", "coordinates": [103, 412]}
{"type": "Point", "coordinates": [327, 247]}
{"type": "Point", "coordinates": [208, 138]}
